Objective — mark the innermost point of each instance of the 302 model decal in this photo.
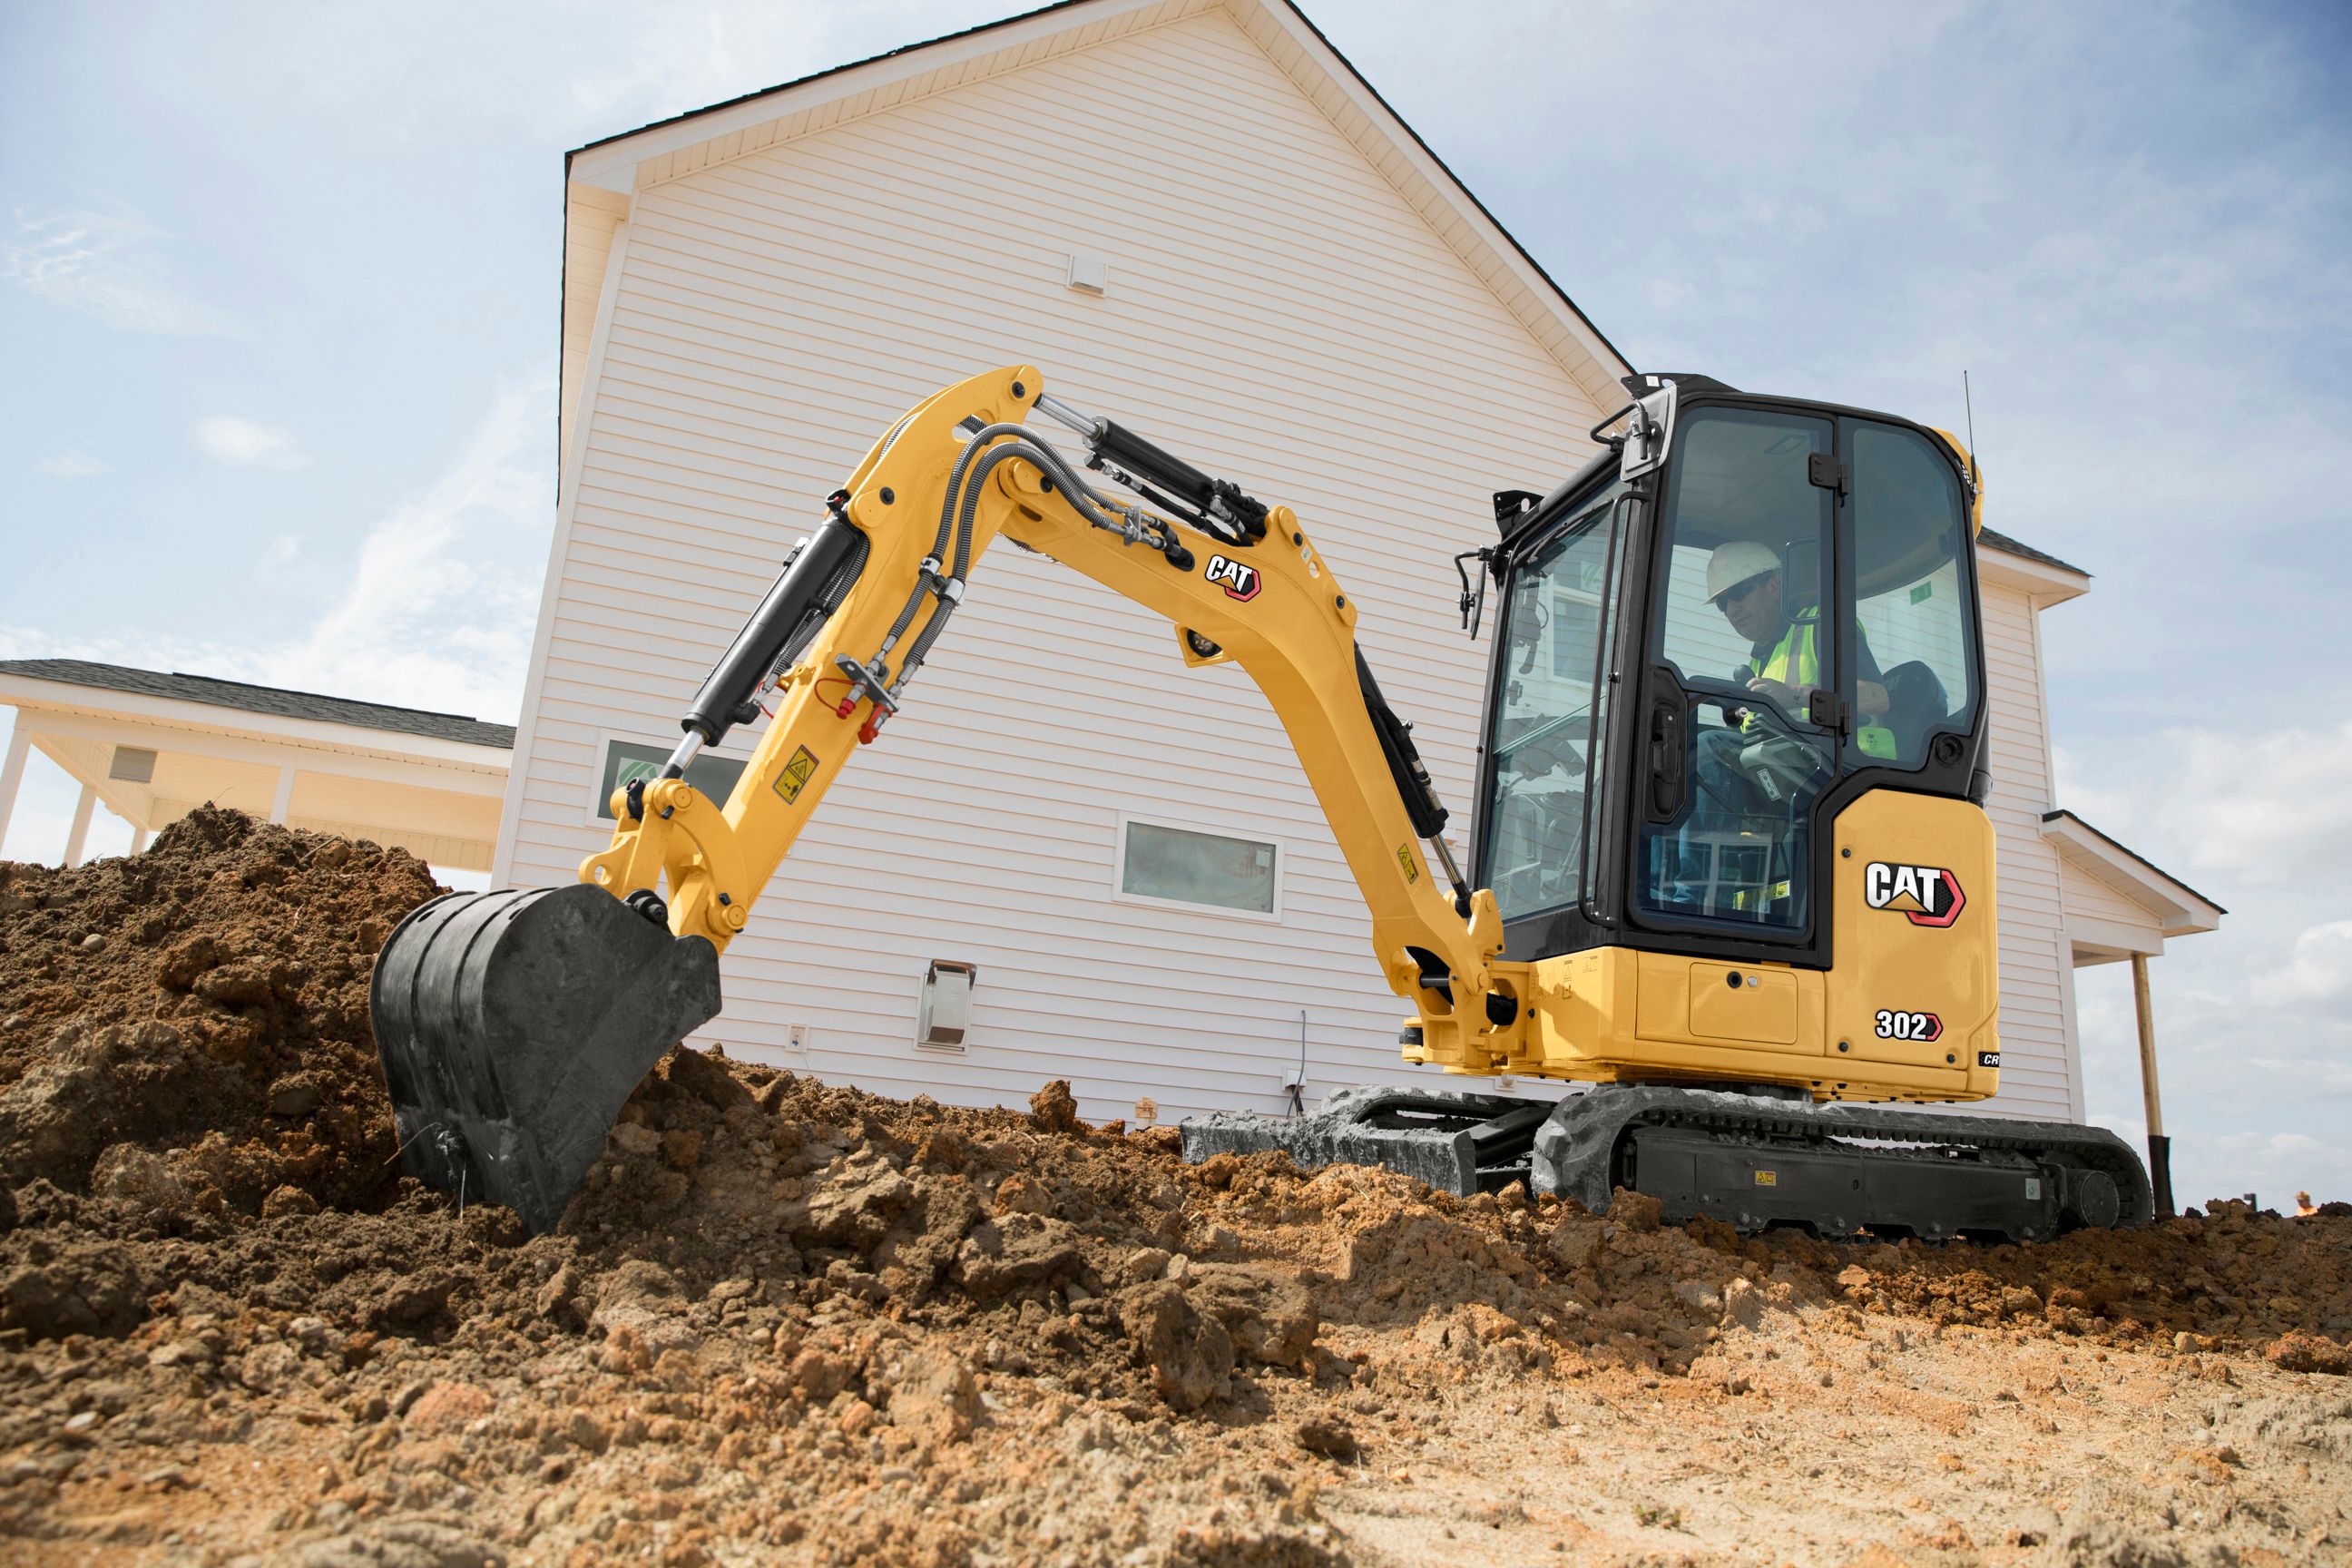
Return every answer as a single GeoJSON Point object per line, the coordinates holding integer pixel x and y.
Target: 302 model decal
{"type": "Point", "coordinates": [1895, 1025]}
{"type": "Point", "coordinates": [1925, 895]}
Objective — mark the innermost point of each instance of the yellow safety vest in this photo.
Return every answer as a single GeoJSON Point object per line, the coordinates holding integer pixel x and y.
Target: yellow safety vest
{"type": "Point", "coordinates": [1796, 660]}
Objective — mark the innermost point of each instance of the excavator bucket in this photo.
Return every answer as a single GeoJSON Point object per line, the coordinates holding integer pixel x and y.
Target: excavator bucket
{"type": "Point", "coordinates": [512, 1026]}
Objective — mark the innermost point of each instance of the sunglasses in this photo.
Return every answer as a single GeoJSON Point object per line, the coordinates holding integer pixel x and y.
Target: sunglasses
{"type": "Point", "coordinates": [1742, 590]}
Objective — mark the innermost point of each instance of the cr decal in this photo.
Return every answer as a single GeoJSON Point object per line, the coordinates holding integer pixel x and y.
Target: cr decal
{"type": "Point", "coordinates": [1239, 581]}
{"type": "Point", "coordinates": [1925, 895]}
{"type": "Point", "coordinates": [1900, 1025]}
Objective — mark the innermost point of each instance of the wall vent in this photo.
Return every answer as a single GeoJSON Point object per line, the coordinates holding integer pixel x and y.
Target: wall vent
{"type": "Point", "coordinates": [131, 764]}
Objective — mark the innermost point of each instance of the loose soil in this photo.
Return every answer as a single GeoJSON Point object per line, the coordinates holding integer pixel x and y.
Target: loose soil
{"type": "Point", "coordinates": [787, 1323]}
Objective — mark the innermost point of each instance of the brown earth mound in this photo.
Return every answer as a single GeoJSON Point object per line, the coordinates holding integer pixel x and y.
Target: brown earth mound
{"type": "Point", "coordinates": [790, 1321]}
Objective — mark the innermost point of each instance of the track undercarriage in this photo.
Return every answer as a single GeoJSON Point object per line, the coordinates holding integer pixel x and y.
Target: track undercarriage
{"type": "Point", "coordinates": [1752, 1160]}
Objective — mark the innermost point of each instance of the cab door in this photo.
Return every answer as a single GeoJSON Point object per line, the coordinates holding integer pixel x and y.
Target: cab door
{"type": "Point", "coordinates": [1737, 749]}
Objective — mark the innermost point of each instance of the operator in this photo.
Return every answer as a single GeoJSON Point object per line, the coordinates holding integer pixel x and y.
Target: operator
{"type": "Point", "coordinates": [1744, 581]}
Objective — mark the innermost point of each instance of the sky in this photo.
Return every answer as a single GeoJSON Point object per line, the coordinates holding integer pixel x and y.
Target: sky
{"type": "Point", "coordinates": [279, 294]}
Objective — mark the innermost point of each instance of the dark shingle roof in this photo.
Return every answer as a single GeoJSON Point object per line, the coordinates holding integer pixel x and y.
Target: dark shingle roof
{"type": "Point", "coordinates": [265, 700]}
{"type": "Point", "coordinates": [2008, 546]}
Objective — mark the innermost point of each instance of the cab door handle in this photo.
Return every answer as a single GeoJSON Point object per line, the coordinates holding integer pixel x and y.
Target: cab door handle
{"type": "Point", "coordinates": [1668, 773]}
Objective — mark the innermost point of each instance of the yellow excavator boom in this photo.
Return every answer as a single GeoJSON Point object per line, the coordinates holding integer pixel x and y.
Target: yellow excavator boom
{"type": "Point", "coordinates": [1273, 605]}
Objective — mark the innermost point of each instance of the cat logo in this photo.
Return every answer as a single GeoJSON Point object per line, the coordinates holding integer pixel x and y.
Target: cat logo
{"type": "Point", "coordinates": [1924, 895]}
{"type": "Point", "coordinates": [1240, 582]}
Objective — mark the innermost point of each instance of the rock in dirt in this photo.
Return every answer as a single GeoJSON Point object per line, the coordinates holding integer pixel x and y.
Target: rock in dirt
{"type": "Point", "coordinates": [933, 1395]}
{"type": "Point", "coordinates": [79, 1287]}
{"type": "Point", "coordinates": [1054, 1108]}
{"type": "Point", "coordinates": [1189, 1352]}
{"type": "Point", "coordinates": [1270, 1316]}
{"type": "Point", "coordinates": [1017, 1250]}
{"type": "Point", "coordinates": [1330, 1437]}
{"type": "Point", "coordinates": [2300, 1351]}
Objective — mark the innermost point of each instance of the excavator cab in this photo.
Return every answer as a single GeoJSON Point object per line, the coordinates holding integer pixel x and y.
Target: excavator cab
{"type": "Point", "coordinates": [1719, 633]}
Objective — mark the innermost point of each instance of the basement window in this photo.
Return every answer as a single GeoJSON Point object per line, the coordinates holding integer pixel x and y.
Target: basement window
{"type": "Point", "coordinates": [626, 762]}
{"type": "Point", "coordinates": [1167, 863]}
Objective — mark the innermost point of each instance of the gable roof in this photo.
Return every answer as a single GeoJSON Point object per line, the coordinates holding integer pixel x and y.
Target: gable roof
{"type": "Point", "coordinates": [271, 700]}
{"type": "Point", "coordinates": [2183, 909]}
{"type": "Point", "coordinates": [2001, 542]}
{"type": "Point", "coordinates": [602, 174]}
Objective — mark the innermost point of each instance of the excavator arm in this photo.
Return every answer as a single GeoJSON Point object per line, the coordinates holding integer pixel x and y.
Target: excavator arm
{"type": "Point", "coordinates": [849, 623]}
{"type": "Point", "coordinates": [513, 1025]}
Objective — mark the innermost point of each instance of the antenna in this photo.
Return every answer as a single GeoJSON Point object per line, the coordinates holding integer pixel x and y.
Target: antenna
{"type": "Point", "coordinates": [1975, 479]}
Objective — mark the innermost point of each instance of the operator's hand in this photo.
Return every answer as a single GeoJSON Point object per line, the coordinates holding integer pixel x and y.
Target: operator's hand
{"type": "Point", "coordinates": [1790, 698]}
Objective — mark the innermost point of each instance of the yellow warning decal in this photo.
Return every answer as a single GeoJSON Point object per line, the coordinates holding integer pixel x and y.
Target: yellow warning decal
{"type": "Point", "coordinates": [1404, 859]}
{"type": "Point", "coordinates": [796, 774]}
{"type": "Point", "coordinates": [1768, 1178]}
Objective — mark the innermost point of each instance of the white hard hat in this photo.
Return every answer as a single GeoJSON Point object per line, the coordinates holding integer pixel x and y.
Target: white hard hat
{"type": "Point", "coordinates": [1734, 563]}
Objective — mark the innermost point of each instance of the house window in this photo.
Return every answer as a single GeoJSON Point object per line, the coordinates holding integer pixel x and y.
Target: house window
{"type": "Point", "coordinates": [1185, 865]}
{"type": "Point", "coordinates": [626, 762]}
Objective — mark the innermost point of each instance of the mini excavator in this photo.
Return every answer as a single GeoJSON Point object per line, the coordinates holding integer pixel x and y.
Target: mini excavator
{"type": "Point", "coordinates": [1729, 866]}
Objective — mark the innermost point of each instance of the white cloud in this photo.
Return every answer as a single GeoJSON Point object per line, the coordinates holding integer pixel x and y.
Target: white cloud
{"type": "Point", "coordinates": [2263, 808]}
{"type": "Point", "coordinates": [2319, 967]}
{"type": "Point", "coordinates": [108, 265]}
{"type": "Point", "coordinates": [241, 443]}
{"type": "Point", "coordinates": [439, 608]}
{"type": "Point", "coordinates": [283, 551]}
{"type": "Point", "coordinates": [73, 463]}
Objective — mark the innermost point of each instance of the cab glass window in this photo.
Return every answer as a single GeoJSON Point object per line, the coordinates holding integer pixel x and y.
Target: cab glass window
{"type": "Point", "coordinates": [1741, 571]}
{"type": "Point", "coordinates": [1912, 668]}
{"type": "Point", "coordinates": [1546, 714]}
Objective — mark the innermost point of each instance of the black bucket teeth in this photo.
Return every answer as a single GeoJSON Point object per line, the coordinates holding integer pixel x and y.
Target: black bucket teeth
{"type": "Point", "coordinates": [512, 1026]}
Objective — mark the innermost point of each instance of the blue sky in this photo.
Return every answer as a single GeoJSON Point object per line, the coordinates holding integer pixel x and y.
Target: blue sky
{"type": "Point", "coordinates": [278, 308]}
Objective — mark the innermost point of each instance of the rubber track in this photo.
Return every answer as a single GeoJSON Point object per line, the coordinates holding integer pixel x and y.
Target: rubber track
{"type": "Point", "coordinates": [1575, 1150]}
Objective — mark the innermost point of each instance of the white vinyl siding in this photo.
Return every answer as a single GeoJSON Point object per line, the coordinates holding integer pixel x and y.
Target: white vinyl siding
{"type": "Point", "coordinates": [2039, 1075]}
{"type": "Point", "coordinates": [1279, 314]}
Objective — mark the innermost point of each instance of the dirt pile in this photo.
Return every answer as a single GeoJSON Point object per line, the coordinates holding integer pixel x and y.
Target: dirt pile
{"type": "Point", "coordinates": [187, 1029]}
{"type": "Point", "coordinates": [788, 1321]}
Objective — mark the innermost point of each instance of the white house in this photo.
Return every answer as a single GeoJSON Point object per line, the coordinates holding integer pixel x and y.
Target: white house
{"type": "Point", "coordinates": [1195, 216]}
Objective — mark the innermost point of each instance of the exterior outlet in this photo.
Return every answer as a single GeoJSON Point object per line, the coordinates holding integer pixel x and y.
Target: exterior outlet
{"type": "Point", "coordinates": [796, 1038]}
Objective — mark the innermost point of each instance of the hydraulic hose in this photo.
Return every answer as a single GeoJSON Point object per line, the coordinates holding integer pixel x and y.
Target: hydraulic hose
{"type": "Point", "coordinates": [965, 483]}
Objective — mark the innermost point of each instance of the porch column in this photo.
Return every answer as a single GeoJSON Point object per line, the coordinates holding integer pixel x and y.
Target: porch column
{"type": "Point", "coordinates": [2159, 1147]}
{"type": "Point", "coordinates": [285, 796]}
{"type": "Point", "coordinates": [11, 772]}
{"type": "Point", "coordinates": [77, 837]}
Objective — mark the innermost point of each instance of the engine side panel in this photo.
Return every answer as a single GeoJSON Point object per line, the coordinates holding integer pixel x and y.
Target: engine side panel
{"type": "Point", "coordinates": [1917, 982]}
